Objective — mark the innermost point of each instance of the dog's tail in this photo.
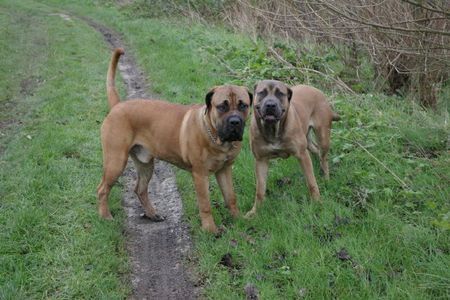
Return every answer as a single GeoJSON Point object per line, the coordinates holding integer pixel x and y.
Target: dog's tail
{"type": "Point", "coordinates": [113, 95]}
{"type": "Point", "coordinates": [336, 117]}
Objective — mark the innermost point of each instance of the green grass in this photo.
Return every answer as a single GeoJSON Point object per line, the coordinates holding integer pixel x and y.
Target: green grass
{"type": "Point", "coordinates": [52, 243]}
{"type": "Point", "coordinates": [396, 235]}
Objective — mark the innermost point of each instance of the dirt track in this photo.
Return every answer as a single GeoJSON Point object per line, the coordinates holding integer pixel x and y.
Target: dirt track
{"type": "Point", "coordinates": [157, 250]}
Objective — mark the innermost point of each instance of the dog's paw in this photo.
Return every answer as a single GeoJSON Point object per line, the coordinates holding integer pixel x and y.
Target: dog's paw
{"type": "Point", "coordinates": [106, 214]}
{"type": "Point", "coordinates": [210, 227]}
{"type": "Point", "coordinates": [154, 218]}
{"type": "Point", "coordinates": [234, 212]}
{"type": "Point", "coordinates": [221, 230]}
{"type": "Point", "coordinates": [250, 214]}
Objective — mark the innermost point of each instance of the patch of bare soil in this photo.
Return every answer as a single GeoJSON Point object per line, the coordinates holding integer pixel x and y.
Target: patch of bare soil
{"type": "Point", "coordinates": [157, 251]}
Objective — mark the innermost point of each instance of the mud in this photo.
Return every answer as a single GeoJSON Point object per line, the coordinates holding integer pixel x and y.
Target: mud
{"type": "Point", "coordinates": [157, 251]}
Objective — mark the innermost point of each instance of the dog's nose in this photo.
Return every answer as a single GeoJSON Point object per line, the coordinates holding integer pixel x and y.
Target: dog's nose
{"type": "Point", "coordinates": [234, 121]}
{"type": "Point", "coordinates": [271, 105]}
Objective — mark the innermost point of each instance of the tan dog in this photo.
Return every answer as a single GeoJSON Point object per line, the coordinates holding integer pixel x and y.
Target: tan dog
{"type": "Point", "coordinates": [199, 138]}
{"type": "Point", "coordinates": [280, 127]}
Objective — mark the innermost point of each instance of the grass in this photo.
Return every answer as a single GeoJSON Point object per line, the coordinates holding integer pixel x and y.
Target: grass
{"type": "Point", "coordinates": [52, 243]}
{"type": "Point", "coordinates": [376, 235]}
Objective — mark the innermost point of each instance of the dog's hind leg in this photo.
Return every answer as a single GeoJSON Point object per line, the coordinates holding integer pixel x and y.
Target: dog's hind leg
{"type": "Point", "coordinates": [323, 136]}
{"type": "Point", "coordinates": [312, 145]}
{"type": "Point", "coordinates": [144, 165]}
{"type": "Point", "coordinates": [113, 166]}
{"type": "Point", "coordinates": [307, 167]}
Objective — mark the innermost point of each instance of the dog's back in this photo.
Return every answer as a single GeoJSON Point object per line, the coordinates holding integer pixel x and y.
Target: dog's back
{"type": "Point", "coordinates": [312, 106]}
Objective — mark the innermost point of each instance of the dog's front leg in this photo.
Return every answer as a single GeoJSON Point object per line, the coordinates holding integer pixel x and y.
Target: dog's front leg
{"type": "Point", "coordinates": [225, 181]}
{"type": "Point", "coordinates": [308, 171]}
{"type": "Point", "coordinates": [261, 169]}
{"type": "Point", "coordinates": [202, 189]}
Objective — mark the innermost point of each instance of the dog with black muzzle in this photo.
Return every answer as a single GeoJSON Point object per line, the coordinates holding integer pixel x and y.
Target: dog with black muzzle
{"type": "Point", "coordinates": [202, 139]}
{"type": "Point", "coordinates": [281, 126]}
{"type": "Point", "coordinates": [232, 127]}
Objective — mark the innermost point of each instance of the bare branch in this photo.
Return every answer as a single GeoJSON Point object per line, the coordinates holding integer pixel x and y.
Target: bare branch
{"type": "Point", "coordinates": [376, 25]}
{"type": "Point", "coordinates": [446, 13]}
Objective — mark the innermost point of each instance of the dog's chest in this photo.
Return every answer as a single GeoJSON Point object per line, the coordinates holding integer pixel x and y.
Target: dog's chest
{"type": "Point", "coordinates": [218, 161]}
{"type": "Point", "coordinates": [276, 149]}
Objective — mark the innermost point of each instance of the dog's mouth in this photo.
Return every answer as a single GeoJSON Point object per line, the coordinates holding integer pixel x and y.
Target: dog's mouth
{"type": "Point", "coordinates": [231, 135]}
{"type": "Point", "coordinates": [270, 118]}
{"type": "Point", "coordinates": [270, 115]}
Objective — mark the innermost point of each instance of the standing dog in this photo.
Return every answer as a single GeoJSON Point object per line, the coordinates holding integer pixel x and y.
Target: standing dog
{"type": "Point", "coordinates": [280, 127]}
{"type": "Point", "coordinates": [199, 138]}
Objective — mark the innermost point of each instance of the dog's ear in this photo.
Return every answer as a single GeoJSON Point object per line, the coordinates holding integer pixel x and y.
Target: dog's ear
{"type": "Point", "coordinates": [250, 95]}
{"type": "Point", "coordinates": [208, 99]}
{"type": "Point", "coordinates": [289, 94]}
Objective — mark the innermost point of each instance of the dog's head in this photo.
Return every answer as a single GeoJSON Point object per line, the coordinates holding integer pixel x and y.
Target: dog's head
{"type": "Point", "coordinates": [272, 99]}
{"type": "Point", "coordinates": [228, 109]}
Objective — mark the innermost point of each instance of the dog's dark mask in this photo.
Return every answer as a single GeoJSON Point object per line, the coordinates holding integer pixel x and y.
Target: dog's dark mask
{"type": "Point", "coordinates": [232, 129]}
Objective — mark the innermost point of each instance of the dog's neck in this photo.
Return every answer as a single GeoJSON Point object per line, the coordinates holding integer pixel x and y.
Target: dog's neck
{"type": "Point", "coordinates": [271, 132]}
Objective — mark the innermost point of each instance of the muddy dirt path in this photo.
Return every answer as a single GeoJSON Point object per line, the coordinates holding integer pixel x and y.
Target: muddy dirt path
{"type": "Point", "coordinates": [157, 250]}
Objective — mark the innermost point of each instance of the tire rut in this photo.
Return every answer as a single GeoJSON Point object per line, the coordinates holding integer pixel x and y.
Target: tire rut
{"type": "Point", "coordinates": [157, 251]}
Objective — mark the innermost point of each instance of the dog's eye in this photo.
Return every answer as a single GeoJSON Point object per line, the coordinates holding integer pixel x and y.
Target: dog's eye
{"type": "Point", "coordinates": [262, 94]}
{"type": "Point", "coordinates": [222, 107]}
{"type": "Point", "coordinates": [242, 106]}
{"type": "Point", "coordinates": [279, 94]}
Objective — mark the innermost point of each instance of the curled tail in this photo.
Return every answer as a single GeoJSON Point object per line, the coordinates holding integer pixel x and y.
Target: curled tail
{"type": "Point", "coordinates": [113, 96]}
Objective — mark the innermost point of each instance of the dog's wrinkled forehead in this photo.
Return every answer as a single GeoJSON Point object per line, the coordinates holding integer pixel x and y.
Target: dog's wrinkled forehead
{"type": "Point", "coordinates": [270, 88]}
{"type": "Point", "coordinates": [231, 93]}
{"type": "Point", "coordinates": [229, 98]}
